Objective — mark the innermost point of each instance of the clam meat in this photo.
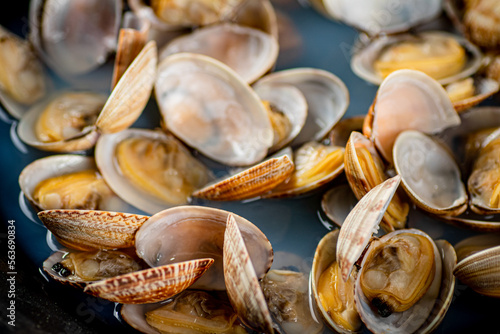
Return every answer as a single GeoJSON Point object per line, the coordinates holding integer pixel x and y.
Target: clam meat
{"type": "Point", "coordinates": [22, 76]}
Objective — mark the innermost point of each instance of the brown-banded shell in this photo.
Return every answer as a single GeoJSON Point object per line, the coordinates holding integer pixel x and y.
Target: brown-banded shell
{"type": "Point", "coordinates": [120, 110]}
{"type": "Point", "coordinates": [86, 33]}
{"type": "Point", "coordinates": [362, 63]}
{"type": "Point", "coordinates": [424, 164]}
{"type": "Point", "coordinates": [249, 183]}
{"type": "Point", "coordinates": [364, 170]}
{"type": "Point", "coordinates": [178, 161]}
{"type": "Point", "coordinates": [379, 17]}
{"type": "Point", "coordinates": [53, 166]}
{"type": "Point", "coordinates": [202, 231]}
{"type": "Point", "coordinates": [87, 230]}
{"type": "Point", "coordinates": [326, 95]}
{"type": "Point", "coordinates": [481, 271]}
{"type": "Point", "coordinates": [407, 99]}
{"type": "Point", "coordinates": [242, 283]}
{"type": "Point", "coordinates": [22, 77]}
{"type": "Point", "coordinates": [150, 285]}
{"type": "Point", "coordinates": [248, 51]}
{"type": "Point", "coordinates": [205, 104]}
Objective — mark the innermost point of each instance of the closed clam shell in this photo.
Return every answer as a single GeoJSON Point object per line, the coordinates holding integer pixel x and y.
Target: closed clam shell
{"type": "Point", "coordinates": [150, 285]}
{"type": "Point", "coordinates": [249, 183]}
{"type": "Point", "coordinates": [89, 229]}
{"type": "Point", "coordinates": [481, 271]}
{"type": "Point", "coordinates": [189, 232]}
{"type": "Point", "coordinates": [248, 51]}
{"type": "Point", "coordinates": [241, 280]}
{"type": "Point", "coordinates": [206, 105]}
{"type": "Point", "coordinates": [424, 164]}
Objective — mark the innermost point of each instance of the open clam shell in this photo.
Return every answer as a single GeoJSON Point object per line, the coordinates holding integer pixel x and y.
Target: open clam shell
{"type": "Point", "coordinates": [23, 80]}
{"type": "Point", "coordinates": [172, 171]}
{"type": "Point", "coordinates": [87, 229]}
{"type": "Point", "coordinates": [205, 104]}
{"type": "Point", "coordinates": [424, 164]}
{"type": "Point", "coordinates": [481, 271]}
{"type": "Point", "coordinates": [483, 88]}
{"type": "Point", "coordinates": [364, 170]}
{"type": "Point", "coordinates": [150, 285]}
{"type": "Point", "coordinates": [362, 63]}
{"type": "Point", "coordinates": [257, 14]}
{"type": "Point", "coordinates": [118, 112]}
{"type": "Point", "coordinates": [53, 166]}
{"type": "Point", "coordinates": [326, 95]}
{"type": "Point", "coordinates": [289, 102]}
{"type": "Point", "coordinates": [324, 256]}
{"type": "Point", "coordinates": [315, 165]}
{"type": "Point", "coordinates": [86, 33]}
{"type": "Point", "coordinates": [407, 99]}
{"type": "Point", "coordinates": [188, 232]}
{"type": "Point", "coordinates": [337, 202]}
{"type": "Point", "coordinates": [248, 51]}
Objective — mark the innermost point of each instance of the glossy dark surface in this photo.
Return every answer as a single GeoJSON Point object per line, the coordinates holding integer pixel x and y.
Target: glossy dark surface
{"type": "Point", "coordinates": [294, 226]}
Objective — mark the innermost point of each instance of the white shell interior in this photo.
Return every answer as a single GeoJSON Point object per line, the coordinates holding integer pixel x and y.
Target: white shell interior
{"type": "Point", "coordinates": [248, 51]}
{"type": "Point", "coordinates": [428, 171]}
{"type": "Point", "coordinates": [326, 95]}
{"type": "Point", "coordinates": [205, 104]}
{"type": "Point", "coordinates": [190, 232]}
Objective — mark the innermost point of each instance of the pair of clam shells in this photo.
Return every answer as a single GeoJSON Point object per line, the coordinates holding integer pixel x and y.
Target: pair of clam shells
{"type": "Point", "coordinates": [346, 248]}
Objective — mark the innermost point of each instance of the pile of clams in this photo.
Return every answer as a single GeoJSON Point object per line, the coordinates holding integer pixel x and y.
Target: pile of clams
{"type": "Point", "coordinates": [130, 207]}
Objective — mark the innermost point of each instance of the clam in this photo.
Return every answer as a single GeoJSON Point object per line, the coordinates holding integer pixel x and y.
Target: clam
{"type": "Point", "coordinates": [483, 182]}
{"type": "Point", "coordinates": [258, 14]}
{"type": "Point", "coordinates": [74, 37]}
{"type": "Point", "coordinates": [389, 295]}
{"type": "Point", "coordinates": [22, 78]}
{"type": "Point", "coordinates": [364, 170]}
{"type": "Point", "coordinates": [381, 16]}
{"type": "Point", "coordinates": [407, 99]}
{"type": "Point", "coordinates": [72, 121]}
{"type": "Point", "coordinates": [205, 104]}
{"type": "Point", "coordinates": [466, 93]}
{"type": "Point", "coordinates": [316, 164]}
{"type": "Point", "coordinates": [248, 51]}
{"type": "Point", "coordinates": [337, 202]}
{"type": "Point", "coordinates": [113, 275]}
{"type": "Point", "coordinates": [443, 56]}
{"type": "Point", "coordinates": [201, 230]}
{"type": "Point", "coordinates": [287, 109]}
{"type": "Point", "coordinates": [425, 164]}
{"type": "Point", "coordinates": [326, 95]}
{"type": "Point", "coordinates": [168, 178]}
{"type": "Point", "coordinates": [201, 311]}
{"type": "Point", "coordinates": [68, 182]}
{"type": "Point", "coordinates": [475, 244]}
{"type": "Point", "coordinates": [481, 271]}
{"type": "Point", "coordinates": [341, 132]}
